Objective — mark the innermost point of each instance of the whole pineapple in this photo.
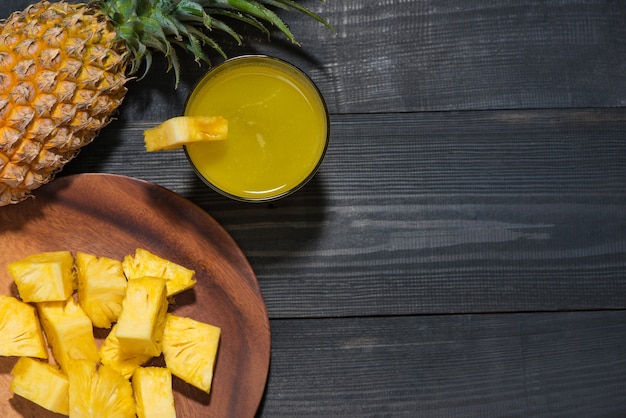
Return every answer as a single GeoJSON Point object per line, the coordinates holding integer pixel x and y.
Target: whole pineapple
{"type": "Point", "coordinates": [64, 68]}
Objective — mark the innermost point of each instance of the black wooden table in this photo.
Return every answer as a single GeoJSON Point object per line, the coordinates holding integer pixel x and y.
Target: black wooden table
{"type": "Point", "coordinates": [462, 251]}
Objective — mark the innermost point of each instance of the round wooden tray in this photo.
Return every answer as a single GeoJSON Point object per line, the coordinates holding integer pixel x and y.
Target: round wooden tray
{"type": "Point", "coordinates": [112, 215]}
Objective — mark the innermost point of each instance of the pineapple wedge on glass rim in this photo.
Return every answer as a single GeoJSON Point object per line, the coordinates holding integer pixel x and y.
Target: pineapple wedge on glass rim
{"type": "Point", "coordinates": [64, 67]}
{"type": "Point", "coordinates": [20, 329]}
{"type": "Point", "coordinates": [101, 288]}
{"type": "Point", "coordinates": [41, 383]}
{"type": "Point", "coordinates": [144, 263]}
{"type": "Point", "coordinates": [184, 130]}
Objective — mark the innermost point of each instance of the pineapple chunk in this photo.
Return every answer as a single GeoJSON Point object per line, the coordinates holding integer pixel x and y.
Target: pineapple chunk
{"type": "Point", "coordinates": [44, 277]}
{"type": "Point", "coordinates": [113, 356]}
{"type": "Point", "coordinates": [140, 325]}
{"type": "Point", "coordinates": [20, 331]}
{"type": "Point", "coordinates": [144, 263]}
{"type": "Point", "coordinates": [152, 387]}
{"type": "Point", "coordinates": [183, 130]}
{"type": "Point", "coordinates": [101, 288]}
{"type": "Point", "coordinates": [98, 392]}
{"type": "Point", "coordinates": [41, 383]}
{"type": "Point", "coordinates": [69, 331]}
{"type": "Point", "coordinates": [189, 349]}
{"type": "Point", "coordinates": [80, 376]}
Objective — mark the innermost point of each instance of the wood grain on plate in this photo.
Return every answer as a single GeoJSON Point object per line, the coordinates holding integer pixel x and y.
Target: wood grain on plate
{"type": "Point", "coordinates": [111, 215]}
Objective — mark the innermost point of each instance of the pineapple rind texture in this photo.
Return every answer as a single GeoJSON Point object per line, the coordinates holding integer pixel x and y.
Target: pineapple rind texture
{"type": "Point", "coordinates": [20, 330]}
{"type": "Point", "coordinates": [144, 263]}
{"type": "Point", "coordinates": [69, 331]}
{"type": "Point", "coordinates": [44, 277]}
{"type": "Point", "coordinates": [140, 325]}
{"type": "Point", "coordinates": [41, 383]}
{"type": "Point", "coordinates": [190, 349]}
{"type": "Point", "coordinates": [62, 76]}
{"type": "Point", "coordinates": [152, 387]}
{"type": "Point", "coordinates": [101, 288]}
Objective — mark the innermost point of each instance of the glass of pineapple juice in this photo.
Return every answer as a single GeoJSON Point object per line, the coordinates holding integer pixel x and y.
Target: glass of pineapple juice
{"type": "Point", "coordinates": [278, 128]}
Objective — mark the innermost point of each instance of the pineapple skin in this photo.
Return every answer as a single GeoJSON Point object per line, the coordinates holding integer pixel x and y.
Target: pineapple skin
{"type": "Point", "coordinates": [152, 387]}
{"type": "Point", "coordinates": [20, 330]}
{"type": "Point", "coordinates": [101, 288]}
{"type": "Point", "coordinates": [41, 383]}
{"type": "Point", "coordinates": [69, 331]}
{"type": "Point", "coordinates": [62, 76]}
{"type": "Point", "coordinates": [44, 277]}
{"type": "Point", "coordinates": [140, 325]}
{"type": "Point", "coordinates": [190, 350]}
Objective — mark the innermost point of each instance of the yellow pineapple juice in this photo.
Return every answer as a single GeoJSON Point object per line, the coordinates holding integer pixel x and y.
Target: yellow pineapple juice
{"type": "Point", "coordinates": [277, 128]}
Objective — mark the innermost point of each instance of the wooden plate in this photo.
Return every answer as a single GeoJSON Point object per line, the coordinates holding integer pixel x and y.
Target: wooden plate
{"type": "Point", "coordinates": [111, 215]}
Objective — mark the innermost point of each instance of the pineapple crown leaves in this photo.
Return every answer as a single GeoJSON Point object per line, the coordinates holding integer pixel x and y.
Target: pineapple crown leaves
{"type": "Point", "coordinates": [158, 25]}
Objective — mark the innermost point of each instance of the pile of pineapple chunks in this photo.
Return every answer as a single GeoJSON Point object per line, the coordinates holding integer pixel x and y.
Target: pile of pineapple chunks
{"type": "Point", "coordinates": [62, 298]}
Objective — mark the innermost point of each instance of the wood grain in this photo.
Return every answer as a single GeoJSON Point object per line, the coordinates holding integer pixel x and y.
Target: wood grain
{"type": "Point", "coordinates": [512, 365]}
{"type": "Point", "coordinates": [404, 56]}
{"type": "Point", "coordinates": [461, 251]}
{"type": "Point", "coordinates": [108, 215]}
{"type": "Point", "coordinates": [413, 56]}
{"type": "Point", "coordinates": [441, 212]}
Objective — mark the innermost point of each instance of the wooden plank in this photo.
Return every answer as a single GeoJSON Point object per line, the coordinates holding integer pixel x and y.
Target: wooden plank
{"type": "Point", "coordinates": [450, 55]}
{"type": "Point", "coordinates": [428, 213]}
{"type": "Point", "coordinates": [400, 56]}
{"type": "Point", "coordinates": [539, 365]}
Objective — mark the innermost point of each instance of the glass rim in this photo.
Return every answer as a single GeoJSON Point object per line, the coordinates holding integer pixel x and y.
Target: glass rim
{"type": "Point", "coordinates": [262, 57]}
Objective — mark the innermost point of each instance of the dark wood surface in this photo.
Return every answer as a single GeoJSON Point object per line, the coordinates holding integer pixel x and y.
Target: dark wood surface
{"type": "Point", "coordinates": [462, 250]}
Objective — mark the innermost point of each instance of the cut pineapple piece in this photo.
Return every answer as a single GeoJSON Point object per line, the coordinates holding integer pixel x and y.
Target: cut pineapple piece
{"type": "Point", "coordinates": [140, 325]}
{"type": "Point", "coordinates": [41, 383]}
{"type": "Point", "coordinates": [152, 387]}
{"type": "Point", "coordinates": [113, 356]}
{"type": "Point", "coordinates": [20, 331]}
{"type": "Point", "coordinates": [144, 263]}
{"type": "Point", "coordinates": [98, 392]}
{"type": "Point", "coordinates": [113, 395]}
{"type": "Point", "coordinates": [69, 331]}
{"type": "Point", "coordinates": [80, 375]}
{"type": "Point", "coordinates": [44, 277]}
{"type": "Point", "coordinates": [92, 382]}
{"type": "Point", "coordinates": [101, 288]}
{"type": "Point", "coordinates": [189, 349]}
{"type": "Point", "coordinates": [183, 130]}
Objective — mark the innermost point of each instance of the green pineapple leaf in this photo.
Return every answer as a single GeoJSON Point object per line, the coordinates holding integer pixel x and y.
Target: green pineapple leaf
{"type": "Point", "coordinates": [146, 26]}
